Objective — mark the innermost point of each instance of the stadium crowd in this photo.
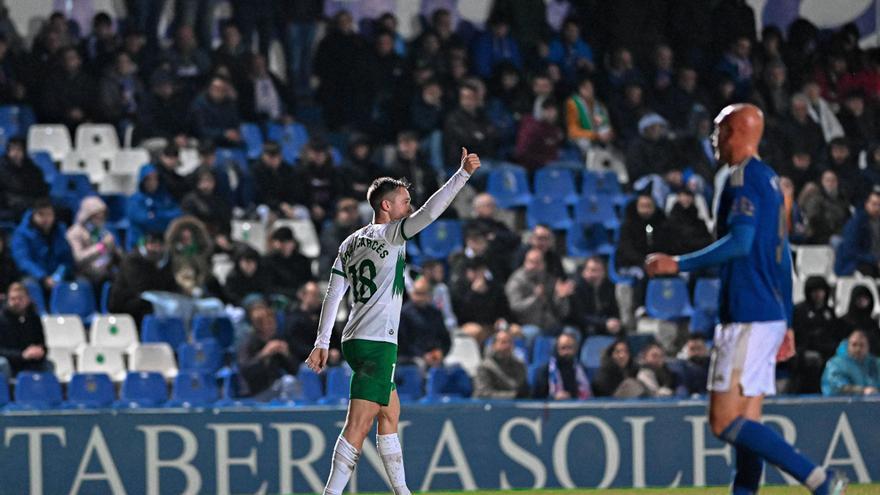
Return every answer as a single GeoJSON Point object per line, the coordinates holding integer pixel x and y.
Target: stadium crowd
{"type": "Point", "coordinates": [502, 295]}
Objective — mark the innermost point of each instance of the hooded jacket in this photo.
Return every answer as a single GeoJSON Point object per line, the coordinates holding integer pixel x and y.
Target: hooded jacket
{"type": "Point", "coordinates": [635, 242]}
{"type": "Point", "coordinates": [862, 318]}
{"type": "Point", "coordinates": [17, 332]}
{"type": "Point", "coordinates": [815, 326]}
{"type": "Point", "coordinates": [844, 375]}
{"type": "Point", "coordinates": [21, 185]}
{"type": "Point", "coordinates": [149, 212]}
{"type": "Point", "coordinates": [856, 246]}
{"type": "Point", "coordinates": [39, 255]}
{"type": "Point", "coordinates": [93, 258]}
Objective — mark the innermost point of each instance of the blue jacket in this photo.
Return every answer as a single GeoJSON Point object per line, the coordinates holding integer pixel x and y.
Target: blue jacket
{"type": "Point", "coordinates": [39, 255]}
{"type": "Point", "coordinates": [856, 245]}
{"type": "Point", "coordinates": [842, 370]}
{"type": "Point", "coordinates": [211, 120]}
{"type": "Point", "coordinates": [566, 57]}
{"type": "Point", "coordinates": [149, 213]}
{"type": "Point", "coordinates": [489, 52]}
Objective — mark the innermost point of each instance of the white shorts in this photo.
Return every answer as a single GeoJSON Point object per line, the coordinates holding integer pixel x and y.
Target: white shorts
{"type": "Point", "coordinates": [750, 348]}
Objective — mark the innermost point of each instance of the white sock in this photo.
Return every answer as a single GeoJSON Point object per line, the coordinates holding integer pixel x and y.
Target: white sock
{"type": "Point", "coordinates": [345, 456]}
{"type": "Point", "coordinates": [392, 458]}
{"type": "Point", "coordinates": [816, 478]}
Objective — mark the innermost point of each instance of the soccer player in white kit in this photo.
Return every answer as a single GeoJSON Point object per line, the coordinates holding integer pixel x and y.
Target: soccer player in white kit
{"type": "Point", "coordinates": [372, 261]}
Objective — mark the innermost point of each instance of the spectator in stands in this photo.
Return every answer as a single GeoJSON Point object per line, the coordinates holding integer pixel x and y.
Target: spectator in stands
{"type": "Point", "coordinates": [653, 151]}
{"type": "Point", "coordinates": [817, 332]}
{"type": "Point", "coordinates": [570, 52]}
{"type": "Point", "coordinates": [301, 21]}
{"type": "Point", "coordinates": [800, 168]}
{"type": "Point", "coordinates": [825, 209]}
{"type": "Point", "coordinates": [859, 120]}
{"type": "Point", "coordinates": [346, 220]}
{"type": "Point", "coordinates": [232, 52]}
{"type": "Point", "coordinates": [434, 271]}
{"type": "Point", "coordinates": [101, 45]}
{"type": "Point", "coordinates": [264, 97]}
{"type": "Point", "coordinates": [736, 65]}
{"type": "Point", "coordinates": [159, 114]}
{"type": "Point", "coordinates": [359, 170]}
{"type": "Point", "coordinates": [772, 94]}
{"type": "Point", "coordinates": [422, 328]}
{"type": "Point", "coordinates": [39, 247]}
{"type": "Point", "coordinates": [209, 205]}
{"type": "Point", "coordinates": [301, 325]}
{"type": "Point", "coordinates": [120, 92]}
{"type": "Point", "coordinates": [248, 277]}
{"type": "Point", "coordinates": [655, 375]}
{"type": "Point", "coordinates": [275, 182]}
{"type": "Point", "coordinates": [214, 114]}
{"type": "Point", "coordinates": [854, 370]}
{"type": "Point", "coordinates": [264, 358]}
{"type": "Point", "coordinates": [151, 209]}
{"type": "Point", "coordinates": [563, 378]}
{"type": "Point", "coordinates": [494, 46]}
{"type": "Point", "coordinates": [68, 93]}
{"type": "Point", "coordinates": [617, 374]}
{"type": "Point", "coordinates": [22, 345]}
{"type": "Point", "coordinates": [503, 242]}
{"type": "Point", "coordinates": [23, 182]}
{"type": "Point", "coordinates": [208, 163]}
{"type": "Point", "coordinates": [95, 249]}
{"type": "Point", "coordinates": [507, 102]}
{"type": "Point", "coordinates": [288, 268]}
{"type": "Point", "coordinates": [478, 300]}
{"type": "Point", "coordinates": [146, 268]}
{"type": "Point", "coordinates": [186, 60]}
{"type": "Point", "coordinates": [542, 89]}
{"type": "Point", "coordinates": [587, 119]}
{"type": "Point", "coordinates": [12, 87]}
{"type": "Point", "coordinates": [820, 111]}
{"type": "Point", "coordinates": [695, 364]}
{"type": "Point", "coordinates": [538, 140]}
{"type": "Point", "coordinates": [695, 149]}
{"type": "Point", "coordinates": [860, 315]}
{"type": "Point", "coordinates": [542, 239]}
{"type": "Point", "coordinates": [427, 110]}
{"type": "Point", "coordinates": [342, 66]}
{"type": "Point", "coordinates": [686, 97]}
{"type": "Point", "coordinates": [467, 126]}
{"type": "Point", "coordinates": [594, 308]}
{"type": "Point", "coordinates": [860, 249]}
{"type": "Point", "coordinates": [390, 85]}
{"type": "Point", "coordinates": [190, 247]}
{"type": "Point", "coordinates": [626, 112]}
{"type": "Point", "coordinates": [539, 300]}
{"type": "Point", "coordinates": [640, 234]}
{"type": "Point", "coordinates": [414, 166]}
{"type": "Point", "coordinates": [166, 166]}
{"type": "Point", "coordinates": [501, 375]}
{"type": "Point", "coordinates": [799, 131]}
{"type": "Point", "coordinates": [8, 270]}
{"type": "Point", "coordinates": [685, 230]}
{"type": "Point", "coordinates": [841, 160]}
{"type": "Point", "coordinates": [320, 180]}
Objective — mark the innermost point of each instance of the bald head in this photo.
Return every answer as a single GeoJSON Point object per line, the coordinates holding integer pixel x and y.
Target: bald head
{"type": "Point", "coordinates": [738, 130]}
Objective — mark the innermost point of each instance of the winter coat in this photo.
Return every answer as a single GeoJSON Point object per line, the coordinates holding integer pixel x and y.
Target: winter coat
{"type": "Point", "coordinates": [39, 255]}
{"type": "Point", "coordinates": [149, 213]}
{"type": "Point", "coordinates": [501, 378]}
{"type": "Point", "coordinates": [17, 332]}
{"type": "Point", "coordinates": [93, 258]}
{"type": "Point", "coordinates": [856, 246]}
{"type": "Point", "coordinates": [844, 375]}
{"type": "Point", "coordinates": [635, 242]}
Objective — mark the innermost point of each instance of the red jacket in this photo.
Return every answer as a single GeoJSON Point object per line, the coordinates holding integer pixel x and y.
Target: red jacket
{"type": "Point", "coordinates": [537, 143]}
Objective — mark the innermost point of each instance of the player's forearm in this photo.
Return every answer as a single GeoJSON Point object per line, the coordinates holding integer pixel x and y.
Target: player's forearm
{"type": "Point", "coordinates": [330, 307]}
{"type": "Point", "coordinates": [436, 204]}
{"type": "Point", "coordinates": [735, 244]}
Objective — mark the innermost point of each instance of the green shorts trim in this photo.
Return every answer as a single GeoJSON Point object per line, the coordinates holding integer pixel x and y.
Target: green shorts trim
{"type": "Point", "coordinates": [373, 365]}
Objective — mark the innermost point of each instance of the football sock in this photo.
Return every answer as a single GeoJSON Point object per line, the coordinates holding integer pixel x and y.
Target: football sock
{"type": "Point", "coordinates": [749, 467]}
{"type": "Point", "coordinates": [767, 444]}
{"type": "Point", "coordinates": [392, 457]}
{"type": "Point", "coordinates": [345, 456]}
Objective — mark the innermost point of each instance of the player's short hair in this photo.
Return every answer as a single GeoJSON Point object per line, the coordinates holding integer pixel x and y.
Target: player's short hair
{"type": "Point", "coordinates": [382, 187]}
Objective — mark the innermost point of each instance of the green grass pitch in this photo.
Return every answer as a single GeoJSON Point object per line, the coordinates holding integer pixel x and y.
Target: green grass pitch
{"type": "Point", "coordinates": [854, 489]}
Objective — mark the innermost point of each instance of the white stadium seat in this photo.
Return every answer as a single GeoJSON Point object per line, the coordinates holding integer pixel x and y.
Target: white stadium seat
{"type": "Point", "coordinates": [129, 161]}
{"type": "Point", "coordinates": [252, 233]}
{"type": "Point", "coordinates": [158, 357]}
{"type": "Point", "coordinates": [465, 352]}
{"type": "Point", "coordinates": [64, 332]}
{"type": "Point", "coordinates": [91, 164]}
{"type": "Point", "coordinates": [94, 359]}
{"type": "Point", "coordinates": [814, 260]}
{"type": "Point", "coordinates": [117, 331]}
{"type": "Point", "coordinates": [125, 184]}
{"type": "Point", "coordinates": [97, 138]}
{"type": "Point", "coordinates": [52, 138]}
{"type": "Point", "coordinates": [62, 360]}
{"type": "Point", "coordinates": [305, 234]}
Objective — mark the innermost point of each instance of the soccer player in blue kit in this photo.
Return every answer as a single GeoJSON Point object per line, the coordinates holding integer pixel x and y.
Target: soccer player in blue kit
{"type": "Point", "coordinates": [755, 309]}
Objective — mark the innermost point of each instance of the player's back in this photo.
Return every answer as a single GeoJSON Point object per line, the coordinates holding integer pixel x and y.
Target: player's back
{"type": "Point", "coordinates": [753, 287]}
{"type": "Point", "coordinates": [373, 259]}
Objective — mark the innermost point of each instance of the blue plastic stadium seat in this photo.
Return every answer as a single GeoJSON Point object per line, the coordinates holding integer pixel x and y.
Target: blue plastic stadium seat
{"type": "Point", "coordinates": [233, 157]}
{"type": "Point", "coordinates": [543, 349]}
{"type": "Point", "coordinates": [591, 351]}
{"type": "Point", "coordinates": [143, 389]}
{"type": "Point", "coordinates": [73, 298]}
{"type": "Point", "coordinates": [218, 328]}
{"type": "Point", "coordinates": [194, 389]}
{"type": "Point", "coordinates": [4, 390]}
{"type": "Point", "coordinates": [583, 241]}
{"type": "Point", "coordinates": [706, 293]}
{"type": "Point", "coordinates": [90, 391]}
{"type": "Point", "coordinates": [596, 209]}
{"type": "Point", "coordinates": [291, 138]}
{"type": "Point", "coordinates": [338, 380]}
{"type": "Point", "coordinates": [408, 379]}
{"type": "Point", "coordinates": [43, 161]}
{"type": "Point", "coordinates": [533, 371]}
{"type": "Point", "coordinates": [36, 293]}
{"type": "Point", "coordinates": [169, 330]}
{"type": "Point", "coordinates": [37, 390]}
{"type": "Point", "coordinates": [667, 299]}
{"type": "Point", "coordinates": [116, 210]}
{"type": "Point", "coordinates": [509, 185]}
{"type": "Point", "coordinates": [447, 383]}
{"type": "Point", "coordinates": [253, 139]}
{"type": "Point", "coordinates": [16, 119]}
{"type": "Point", "coordinates": [600, 183]}
{"type": "Point", "coordinates": [550, 211]}
{"type": "Point", "coordinates": [312, 390]}
{"type": "Point", "coordinates": [557, 182]}
{"type": "Point", "coordinates": [232, 395]}
{"type": "Point", "coordinates": [68, 190]}
{"type": "Point", "coordinates": [440, 239]}
{"type": "Point", "coordinates": [105, 296]}
{"type": "Point", "coordinates": [201, 355]}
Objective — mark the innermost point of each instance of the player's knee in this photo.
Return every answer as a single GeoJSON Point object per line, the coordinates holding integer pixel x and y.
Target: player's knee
{"type": "Point", "coordinates": [359, 427]}
{"type": "Point", "coordinates": [388, 417]}
{"type": "Point", "coordinates": [719, 422]}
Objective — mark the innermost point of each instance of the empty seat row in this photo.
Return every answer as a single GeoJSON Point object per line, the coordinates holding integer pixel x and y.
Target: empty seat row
{"type": "Point", "coordinates": [509, 185]}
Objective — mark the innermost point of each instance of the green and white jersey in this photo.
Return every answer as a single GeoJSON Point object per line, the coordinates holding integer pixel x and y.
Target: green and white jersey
{"type": "Point", "coordinates": [373, 259]}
